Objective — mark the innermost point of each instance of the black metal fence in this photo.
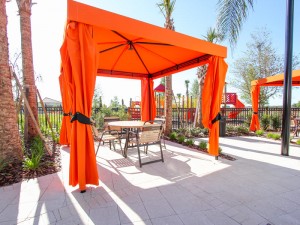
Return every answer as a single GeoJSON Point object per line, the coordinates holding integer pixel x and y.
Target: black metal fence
{"type": "Point", "coordinates": [181, 117]}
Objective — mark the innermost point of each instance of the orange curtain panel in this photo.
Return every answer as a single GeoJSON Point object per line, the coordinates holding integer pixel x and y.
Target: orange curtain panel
{"type": "Point", "coordinates": [255, 90]}
{"type": "Point", "coordinates": [82, 55]}
{"type": "Point", "coordinates": [66, 88]}
{"type": "Point", "coordinates": [65, 131]}
{"type": "Point", "coordinates": [148, 105]}
{"type": "Point", "coordinates": [211, 100]}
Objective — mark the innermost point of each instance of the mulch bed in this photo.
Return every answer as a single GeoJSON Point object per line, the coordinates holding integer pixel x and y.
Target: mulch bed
{"type": "Point", "coordinates": [14, 171]}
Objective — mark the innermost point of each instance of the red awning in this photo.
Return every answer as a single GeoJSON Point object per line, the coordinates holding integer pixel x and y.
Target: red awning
{"type": "Point", "coordinates": [160, 88]}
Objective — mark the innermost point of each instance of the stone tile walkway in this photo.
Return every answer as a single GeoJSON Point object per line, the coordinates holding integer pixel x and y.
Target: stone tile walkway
{"type": "Point", "coordinates": [260, 187]}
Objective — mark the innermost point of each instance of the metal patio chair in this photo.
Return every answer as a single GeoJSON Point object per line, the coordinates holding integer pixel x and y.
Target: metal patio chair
{"type": "Point", "coordinates": [106, 136]}
{"type": "Point", "coordinates": [150, 134]}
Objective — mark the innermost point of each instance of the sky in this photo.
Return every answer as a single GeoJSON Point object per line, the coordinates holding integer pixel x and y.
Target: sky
{"type": "Point", "coordinates": [192, 18]}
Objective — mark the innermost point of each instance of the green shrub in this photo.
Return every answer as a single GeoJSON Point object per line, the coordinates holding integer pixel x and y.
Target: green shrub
{"type": "Point", "coordinates": [265, 121]}
{"type": "Point", "coordinates": [205, 131]}
{"type": "Point", "coordinates": [182, 131]}
{"type": "Point", "coordinates": [188, 133]}
{"type": "Point", "coordinates": [259, 132]}
{"type": "Point", "coordinates": [195, 131]}
{"type": "Point", "coordinates": [242, 129]}
{"type": "Point", "coordinates": [275, 122]}
{"type": "Point", "coordinates": [33, 159]}
{"type": "Point", "coordinates": [273, 136]}
{"type": "Point", "coordinates": [276, 136]}
{"type": "Point", "coordinates": [107, 112]}
{"type": "Point", "coordinates": [173, 136]}
{"type": "Point", "coordinates": [298, 142]}
{"type": "Point", "coordinates": [203, 145]}
{"type": "Point", "coordinates": [180, 138]}
{"type": "Point", "coordinates": [230, 128]}
{"type": "Point", "coordinates": [189, 142]}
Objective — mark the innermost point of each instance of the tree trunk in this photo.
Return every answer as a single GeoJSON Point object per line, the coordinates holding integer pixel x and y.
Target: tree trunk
{"type": "Point", "coordinates": [201, 72]}
{"type": "Point", "coordinates": [168, 104]}
{"type": "Point", "coordinates": [201, 84]}
{"type": "Point", "coordinates": [27, 63]}
{"type": "Point", "coordinates": [10, 142]}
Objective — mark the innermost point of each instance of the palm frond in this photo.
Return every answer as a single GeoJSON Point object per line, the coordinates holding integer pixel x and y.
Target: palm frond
{"type": "Point", "coordinates": [231, 16]}
{"type": "Point", "coordinates": [213, 36]}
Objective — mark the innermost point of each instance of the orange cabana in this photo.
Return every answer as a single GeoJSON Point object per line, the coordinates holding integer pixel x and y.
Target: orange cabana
{"type": "Point", "coordinates": [276, 80]}
{"type": "Point", "coordinates": [128, 48]}
{"type": "Point", "coordinates": [65, 131]}
{"type": "Point", "coordinates": [211, 101]}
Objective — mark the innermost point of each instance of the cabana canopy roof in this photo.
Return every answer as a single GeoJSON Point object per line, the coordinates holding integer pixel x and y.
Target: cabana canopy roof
{"type": "Point", "coordinates": [129, 48]}
{"type": "Point", "coordinates": [277, 80]}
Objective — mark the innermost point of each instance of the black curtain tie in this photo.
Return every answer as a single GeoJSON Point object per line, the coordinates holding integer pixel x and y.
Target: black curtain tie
{"type": "Point", "coordinates": [218, 117]}
{"type": "Point", "coordinates": [81, 118]}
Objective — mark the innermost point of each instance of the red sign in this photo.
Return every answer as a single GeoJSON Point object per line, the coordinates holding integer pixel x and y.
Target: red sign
{"type": "Point", "coordinates": [230, 98]}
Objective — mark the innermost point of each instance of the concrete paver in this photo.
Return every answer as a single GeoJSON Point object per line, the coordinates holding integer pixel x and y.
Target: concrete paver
{"type": "Point", "coordinates": [190, 187]}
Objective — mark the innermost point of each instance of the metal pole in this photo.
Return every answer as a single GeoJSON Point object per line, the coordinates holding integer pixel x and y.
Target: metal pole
{"type": "Point", "coordinates": [149, 101]}
{"type": "Point", "coordinates": [287, 92]}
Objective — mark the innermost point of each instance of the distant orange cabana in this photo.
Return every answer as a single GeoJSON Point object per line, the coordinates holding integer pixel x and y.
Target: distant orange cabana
{"type": "Point", "coordinates": [102, 43]}
{"type": "Point", "coordinates": [276, 80]}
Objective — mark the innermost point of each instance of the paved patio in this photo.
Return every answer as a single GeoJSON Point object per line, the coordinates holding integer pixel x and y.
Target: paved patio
{"type": "Point", "coordinates": [190, 187]}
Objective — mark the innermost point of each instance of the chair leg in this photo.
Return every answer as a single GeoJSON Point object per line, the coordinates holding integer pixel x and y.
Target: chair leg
{"type": "Point", "coordinates": [98, 147]}
{"type": "Point", "coordinates": [140, 161]}
{"type": "Point", "coordinates": [161, 152]}
{"type": "Point", "coordinates": [113, 144]}
{"type": "Point", "coordinates": [164, 143]}
{"type": "Point", "coordinates": [120, 144]}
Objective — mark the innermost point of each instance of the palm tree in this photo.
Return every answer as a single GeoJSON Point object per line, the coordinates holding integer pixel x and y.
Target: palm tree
{"type": "Point", "coordinates": [212, 36]}
{"type": "Point", "coordinates": [187, 92]}
{"type": "Point", "coordinates": [24, 7]}
{"type": "Point", "coordinates": [10, 142]}
{"type": "Point", "coordinates": [179, 98]}
{"type": "Point", "coordinates": [231, 15]}
{"type": "Point", "coordinates": [167, 7]}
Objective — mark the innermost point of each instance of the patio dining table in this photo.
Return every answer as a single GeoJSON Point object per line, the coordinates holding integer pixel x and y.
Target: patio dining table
{"type": "Point", "coordinates": [128, 125]}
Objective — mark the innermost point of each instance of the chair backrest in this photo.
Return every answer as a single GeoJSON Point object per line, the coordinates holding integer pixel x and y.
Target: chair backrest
{"type": "Point", "coordinates": [150, 133]}
{"type": "Point", "coordinates": [109, 119]}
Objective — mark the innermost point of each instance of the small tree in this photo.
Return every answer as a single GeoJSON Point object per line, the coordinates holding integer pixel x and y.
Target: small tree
{"type": "Point", "coordinates": [187, 92]}
{"type": "Point", "coordinates": [297, 105]}
{"type": "Point", "coordinates": [259, 61]}
{"type": "Point", "coordinates": [114, 103]}
{"type": "Point", "coordinates": [97, 99]}
{"type": "Point", "coordinates": [195, 89]}
{"type": "Point", "coordinates": [265, 121]}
